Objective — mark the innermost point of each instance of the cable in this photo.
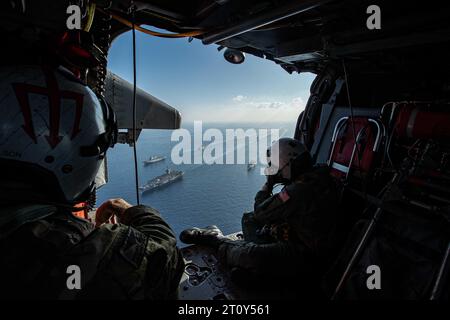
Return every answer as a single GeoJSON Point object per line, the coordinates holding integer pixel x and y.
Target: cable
{"type": "Point", "coordinates": [136, 173]}
{"type": "Point", "coordinates": [131, 24]}
{"type": "Point", "coordinates": [350, 105]}
{"type": "Point", "coordinates": [352, 115]}
{"type": "Point", "coordinates": [90, 17]}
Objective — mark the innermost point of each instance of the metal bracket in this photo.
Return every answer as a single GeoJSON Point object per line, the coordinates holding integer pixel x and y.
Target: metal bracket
{"type": "Point", "coordinates": [126, 137]}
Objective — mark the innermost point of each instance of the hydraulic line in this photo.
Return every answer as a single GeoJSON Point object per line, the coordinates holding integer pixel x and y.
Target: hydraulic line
{"type": "Point", "coordinates": [90, 17]}
{"type": "Point", "coordinates": [151, 32]}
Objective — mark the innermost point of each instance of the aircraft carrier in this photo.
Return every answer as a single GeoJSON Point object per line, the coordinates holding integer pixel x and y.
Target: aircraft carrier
{"type": "Point", "coordinates": [168, 177]}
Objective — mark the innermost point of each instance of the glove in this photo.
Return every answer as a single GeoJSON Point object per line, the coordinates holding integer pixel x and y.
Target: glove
{"type": "Point", "coordinates": [271, 181]}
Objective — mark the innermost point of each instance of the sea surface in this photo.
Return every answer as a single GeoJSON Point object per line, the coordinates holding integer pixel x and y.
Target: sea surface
{"type": "Point", "coordinates": [207, 194]}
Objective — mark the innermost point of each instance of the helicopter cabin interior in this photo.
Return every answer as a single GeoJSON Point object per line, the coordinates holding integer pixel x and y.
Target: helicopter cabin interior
{"type": "Point", "coordinates": [378, 115]}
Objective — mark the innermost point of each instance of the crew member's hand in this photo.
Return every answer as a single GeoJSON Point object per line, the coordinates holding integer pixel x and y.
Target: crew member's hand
{"type": "Point", "coordinates": [269, 183]}
{"type": "Point", "coordinates": [109, 209]}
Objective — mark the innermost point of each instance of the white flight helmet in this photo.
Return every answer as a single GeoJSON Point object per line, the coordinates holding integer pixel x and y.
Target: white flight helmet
{"type": "Point", "coordinates": [287, 158]}
{"type": "Point", "coordinates": [54, 132]}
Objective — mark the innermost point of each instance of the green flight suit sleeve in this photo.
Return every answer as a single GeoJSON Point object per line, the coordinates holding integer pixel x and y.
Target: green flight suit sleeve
{"type": "Point", "coordinates": [135, 259]}
{"type": "Point", "coordinates": [148, 221]}
{"type": "Point", "coordinates": [273, 259]}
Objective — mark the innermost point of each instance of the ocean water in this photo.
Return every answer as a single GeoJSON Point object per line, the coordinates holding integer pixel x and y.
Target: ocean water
{"type": "Point", "coordinates": [207, 194]}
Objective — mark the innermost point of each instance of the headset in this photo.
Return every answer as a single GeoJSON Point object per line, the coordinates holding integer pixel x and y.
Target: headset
{"type": "Point", "coordinates": [107, 139]}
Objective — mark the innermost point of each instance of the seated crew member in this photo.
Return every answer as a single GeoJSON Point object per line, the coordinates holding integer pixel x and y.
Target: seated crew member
{"type": "Point", "coordinates": [54, 133]}
{"type": "Point", "coordinates": [289, 233]}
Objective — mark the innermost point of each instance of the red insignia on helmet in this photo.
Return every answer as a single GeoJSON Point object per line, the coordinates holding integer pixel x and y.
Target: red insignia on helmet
{"type": "Point", "coordinates": [54, 96]}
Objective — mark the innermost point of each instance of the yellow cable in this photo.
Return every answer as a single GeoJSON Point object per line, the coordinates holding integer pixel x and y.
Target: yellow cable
{"type": "Point", "coordinates": [151, 32]}
{"type": "Point", "coordinates": [90, 18]}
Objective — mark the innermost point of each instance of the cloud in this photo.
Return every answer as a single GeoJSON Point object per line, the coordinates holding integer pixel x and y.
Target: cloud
{"type": "Point", "coordinates": [244, 102]}
{"type": "Point", "coordinates": [298, 103]}
{"type": "Point", "coordinates": [239, 98]}
{"type": "Point", "coordinates": [253, 108]}
{"type": "Point", "coordinates": [271, 105]}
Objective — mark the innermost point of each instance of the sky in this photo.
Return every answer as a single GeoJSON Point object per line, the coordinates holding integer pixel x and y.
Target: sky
{"type": "Point", "coordinates": [202, 85]}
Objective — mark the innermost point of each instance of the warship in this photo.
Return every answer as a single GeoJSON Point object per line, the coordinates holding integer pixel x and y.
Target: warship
{"type": "Point", "coordinates": [251, 165]}
{"type": "Point", "coordinates": [168, 177]}
{"type": "Point", "coordinates": [154, 159]}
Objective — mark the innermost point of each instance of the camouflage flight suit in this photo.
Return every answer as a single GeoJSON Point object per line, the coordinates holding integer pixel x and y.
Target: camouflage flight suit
{"type": "Point", "coordinates": [303, 218]}
{"type": "Point", "coordinates": [137, 259]}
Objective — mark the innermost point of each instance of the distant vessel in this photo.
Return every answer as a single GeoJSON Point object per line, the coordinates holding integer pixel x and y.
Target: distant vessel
{"type": "Point", "coordinates": [251, 165]}
{"type": "Point", "coordinates": [168, 177]}
{"type": "Point", "coordinates": [154, 159]}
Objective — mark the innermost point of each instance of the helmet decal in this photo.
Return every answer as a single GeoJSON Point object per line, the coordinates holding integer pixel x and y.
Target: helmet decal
{"type": "Point", "coordinates": [54, 95]}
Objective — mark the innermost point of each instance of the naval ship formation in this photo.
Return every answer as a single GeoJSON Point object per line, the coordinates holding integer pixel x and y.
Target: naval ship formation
{"type": "Point", "coordinates": [168, 177]}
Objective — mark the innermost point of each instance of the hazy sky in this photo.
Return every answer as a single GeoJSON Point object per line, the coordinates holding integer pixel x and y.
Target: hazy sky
{"type": "Point", "coordinates": [197, 80]}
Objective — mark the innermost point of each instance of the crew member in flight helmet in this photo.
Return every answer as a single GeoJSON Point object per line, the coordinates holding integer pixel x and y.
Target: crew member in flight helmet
{"type": "Point", "coordinates": [54, 134]}
{"type": "Point", "coordinates": [290, 233]}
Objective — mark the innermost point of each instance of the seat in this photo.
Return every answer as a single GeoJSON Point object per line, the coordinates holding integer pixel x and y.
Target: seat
{"type": "Point", "coordinates": [346, 156]}
{"type": "Point", "coordinates": [408, 234]}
